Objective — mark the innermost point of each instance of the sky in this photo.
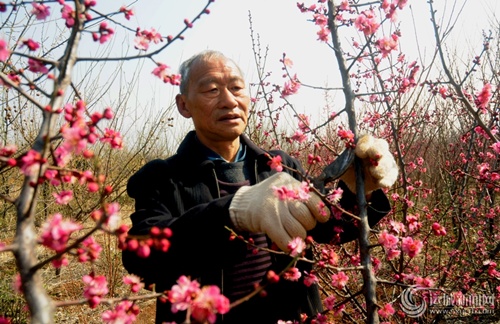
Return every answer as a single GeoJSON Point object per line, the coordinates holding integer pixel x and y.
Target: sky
{"type": "Point", "coordinates": [284, 29]}
{"type": "Point", "coordinates": [281, 28]}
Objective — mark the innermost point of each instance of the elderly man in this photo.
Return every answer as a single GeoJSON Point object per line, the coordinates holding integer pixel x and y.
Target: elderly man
{"type": "Point", "coordinates": [220, 178]}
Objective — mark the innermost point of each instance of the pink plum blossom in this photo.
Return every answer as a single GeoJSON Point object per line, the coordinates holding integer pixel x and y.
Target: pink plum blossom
{"type": "Point", "coordinates": [127, 12]}
{"type": "Point", "coordinates": [30, 162]}
{"type": "Point", "coordinates": [144, 37]}
{"type": "Point", "coordinates": [387, 44]}
{"type": "Point", "coordinates": [208, 303]}
{"type": "Point", "coordinates": [89, 250]}
{"type": "Point", "coordinates": [339, 280]}
{"type": "Point", "coordinates": [63, 197]}
{"type": "Point", "coordinates": [125, 312]}
{"type": "Point", "coordinates": [496, 147]}
{"type": "Point", "coordinates": [297, 246]}
{"type": "Point", "coordinates": [95, 288]}
{"type": "Point", "coordinates": [388, 240]}
{"type": "Point", "coordinates": [483, 98]}
{"type": "Point", "coordinates": [329, 302]}
{"type": "Point", "coordinates": [161, 71]}
{"type": "Point", "coordinates": [68, 14]}
{"type": "Point", "coordinates": [299, 136]}
{"type": "Point", "coordinates": [4, 51]}
{"type": "Point", "coordinates": [386, 311]}
{"type": "Point", "coordinates": [412, 247]}
{"type": "Point", "coordinates": [134, 282]}
{"type": "Point", "coordinates": [291, 87]}
{"type": "Point", "coordinates": [113, 138]}
{"type": "Point", "coordinates": [301, 193]}
{"type": "Point", "coordinates": [56, 232]}
{"type": "Point", "coordinates": [438, 229]}
{"type": "Point", "coordinates": [366, 22]}
{"type": "Point", "coordinates": [104, 33]}
{"type": "Point", "coordinates": [31, 44]}
{"type": "Point", "coordinates": [181, 294]}
{"type": "Point", "coordinates": [292, 274]}
{"type": "Point", "coordinates": [40, 11]}
{"type": "Point", "coordinates": [310, 279]}
{"type": "Point", "coordinates": [335, 195]}
{"type": "Point", "coordinates": [275, 163]}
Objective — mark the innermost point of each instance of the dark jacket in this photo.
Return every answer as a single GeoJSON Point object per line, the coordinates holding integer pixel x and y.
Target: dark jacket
{"type": "Point", "coordinates": [182, 193]}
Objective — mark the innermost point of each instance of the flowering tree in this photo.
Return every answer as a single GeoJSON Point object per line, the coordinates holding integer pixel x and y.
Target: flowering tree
{"type": "Point", "coordinates": [442, 126]}
{"type": "Point", "coordinates": [39, 73]}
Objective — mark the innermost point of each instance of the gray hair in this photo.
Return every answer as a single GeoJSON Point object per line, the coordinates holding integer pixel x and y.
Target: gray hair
{"type": "Point", "coordinates": [185, 67]}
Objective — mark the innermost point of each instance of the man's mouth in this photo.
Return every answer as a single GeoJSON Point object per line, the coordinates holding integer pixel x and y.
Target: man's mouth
{"type": "Point", "coordinates": [229, 117]}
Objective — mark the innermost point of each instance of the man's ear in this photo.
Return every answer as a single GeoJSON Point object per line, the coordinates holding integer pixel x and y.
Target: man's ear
{"type": "Point", "coordinates": [180, 101]}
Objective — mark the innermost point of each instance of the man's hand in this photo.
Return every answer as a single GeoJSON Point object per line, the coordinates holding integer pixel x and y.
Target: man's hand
{"type": "Point", "coordinates": [258, 209]}
{"type": "Point", "coordinates": [381, 170]}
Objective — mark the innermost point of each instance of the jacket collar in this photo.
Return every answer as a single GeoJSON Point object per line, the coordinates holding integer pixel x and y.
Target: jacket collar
{"type": "Point", "coordinates": [195, 152]}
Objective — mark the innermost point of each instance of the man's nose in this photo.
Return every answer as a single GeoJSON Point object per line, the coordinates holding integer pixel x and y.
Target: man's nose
{"type": "Point", "coordinates": [227, 99]}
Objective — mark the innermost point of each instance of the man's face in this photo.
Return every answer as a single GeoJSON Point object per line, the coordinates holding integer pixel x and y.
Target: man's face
{"type": "Point", "coordinates": [217, 100]}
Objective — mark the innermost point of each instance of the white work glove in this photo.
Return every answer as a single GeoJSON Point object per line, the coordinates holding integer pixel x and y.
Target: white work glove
{"type": "Point", "coordinates": [257, 209]}
{"type": "Point", "coordinates": [380, 168]}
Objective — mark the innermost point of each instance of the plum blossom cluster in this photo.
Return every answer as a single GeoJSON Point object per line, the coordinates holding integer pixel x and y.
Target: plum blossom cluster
{"type": "Point", "coordinates": [108, 216]}
{"type": "Point", "coordinates": [202, 303]}
{"type": "Point", "coordinates": [365, 21]}
{"type": "Point", "coordinates": [78, 133]}
{"type": "Point", "coordinates": [300, 193]}
{"type": "Point", "coordinates": [162, 71]}
{"type": "Point", "coordinates": [96, 287]}
{"type": "Point", "coordinates": [55, 235]}
{"type": "Point", "coordinates": [124, 312]}
{"type": "Point", "coordinates": [104, 34]}
{"type": "Point", "coordinates": [303, 128]}
{"type": "Point", "coordinates": [143, 38]}
{"type": "Point", "coordinates": [157, 239]}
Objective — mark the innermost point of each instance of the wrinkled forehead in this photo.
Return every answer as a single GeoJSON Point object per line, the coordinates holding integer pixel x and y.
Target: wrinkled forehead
{"type": "Point", "coordinates": [214, 68]}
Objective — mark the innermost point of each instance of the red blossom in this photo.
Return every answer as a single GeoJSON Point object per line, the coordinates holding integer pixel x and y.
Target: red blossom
{"type": "Point", "coordinates": [37, 66]}
{"type": "Point", "coordinates": [4, 51]}
{"type": "Point", "coordinates": [127, 12]}
{"type": "Point", "coordinates": [56, 232]}
{"type": "Point", "coordinates": [40, 11]}
{"type": "Point", "coordinates": [144, 37]}
{"type": "Point", "coordinates": [386, 311]}
{"type": "Point", "coordinates": [483, 98]}
{"type": "Point", "coordinates": [104, 33]}
{"type": "Point", "coordinates": [412, 247]}
{"type": "Point", "coordinates": [297, 246]}
{"type": "Point", "coordinates": [95, 288]}
{"type": "Point", "coordinates": [292, 274]}
{"type": "Point", "coordinates": [366, 22]}
{"type": "Point", "coordinates": [208, 303]}
{"type": "Point", "coordinates": [162, 72]}
{"type": "Point", "coordinates": [275, 163]}
{"type": "Point", "coordinates": [438, 229]}
{"type": "Point", "coordinates": [68, 14]}
{"type": "Point", "coordinates": [112, 137]}
{"type": "Point", "coordinates": [31, 44]}
{"type": "Point", "coordinates": [134, 282]}
{"type": "Point", "coordinates": [89, 250]}
{"type": "Point", "coordinates": [125, 312]}
{"type": "Point", "coordinates": [290, 87]}
{"type": "Point", "coordinates": [339, 280]}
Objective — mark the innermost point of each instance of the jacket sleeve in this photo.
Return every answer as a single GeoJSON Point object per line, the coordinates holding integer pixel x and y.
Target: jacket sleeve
{"type": "Point", "coordinates": [200, 242]}
{"type": "Point", "coordinates": [345, 229]}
